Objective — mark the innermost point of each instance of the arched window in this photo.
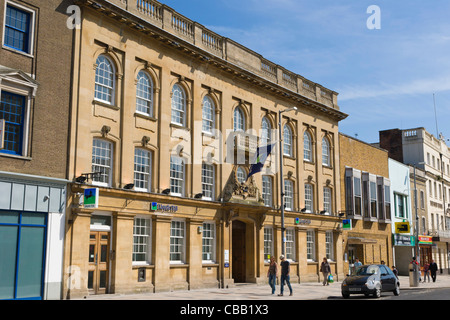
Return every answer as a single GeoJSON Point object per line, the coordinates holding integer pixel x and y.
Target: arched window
{"type": "Point", "coordinates": [144, 94]}
{"type": "Point", "coordinates": [208, 115]}
{"type": "Point", "coordinates": [238, 120]}
{"type": "Point", "coordinates": [241, 175]}
{"type": "Point", "coordinates": [307, 155]}
{"type": "Point", "coordinates": [104, 80]}
{"type": "Point", "coordinates": [287, 141]}
{"type": "Point", "coordinates": [325, 152]}
{"type": "Point", "coordinates": [178, 105]}
{"type": "Point", "coordinates": [266, 129]}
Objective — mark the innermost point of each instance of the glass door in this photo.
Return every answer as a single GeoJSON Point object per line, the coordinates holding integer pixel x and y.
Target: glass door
{"type": "Point", "coordinates": [98, 272]}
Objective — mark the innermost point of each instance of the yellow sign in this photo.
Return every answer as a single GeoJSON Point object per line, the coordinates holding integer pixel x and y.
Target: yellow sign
{"type": "Point", "coordinates": [402, 227]}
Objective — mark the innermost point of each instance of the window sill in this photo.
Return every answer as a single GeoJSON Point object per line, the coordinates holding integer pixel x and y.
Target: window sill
{"type": "Point", "coordinates": [14, 156]}
{"type": "Point", "coordinates": [179, 126]}
{"type": "Point", "coordinates": [145, 116]}
{"type": "Point", "coordinates": [143, 265]}
{"type": "Point", "coordinates": [105, 104]}
{"type": "Point", "coordinates": [178, 265]}
{"type": "Point", "coordinates": [29, 55]}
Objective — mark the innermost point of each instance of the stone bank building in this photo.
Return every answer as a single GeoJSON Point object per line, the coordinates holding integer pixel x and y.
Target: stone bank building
{"type": "Point", "coordinates": [166, 119]}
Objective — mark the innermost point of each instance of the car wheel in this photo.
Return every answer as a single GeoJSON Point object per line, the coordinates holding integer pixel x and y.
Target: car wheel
{"type": "Point", "coordinates": [397, 290]}
{"type": "Point", "coordinates": [345, 295]}
{"type": "Point", "coordinates": [377, 292]}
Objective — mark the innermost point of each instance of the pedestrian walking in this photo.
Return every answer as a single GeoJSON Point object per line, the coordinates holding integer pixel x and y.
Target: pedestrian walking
{"type": "Point", "coordinates": [433, 270]}
{"type": "Point", "coordinates": [426, 271]}
{"type": "Point", "coordinates": [272, 273]}
{"type": "Point", "coordinates": [325, 269]}
{"type": "Point", "coordinates": [395, 271]}
{"type": "Point", "coordinates": [285, 269]}
{"type": "Point", "coordinates": [357, 263]}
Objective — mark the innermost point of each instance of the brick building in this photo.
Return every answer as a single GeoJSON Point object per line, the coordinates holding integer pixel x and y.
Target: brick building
{"type": "Point", "coordinates": [35, 81]}
{"type": "Point", "coordinates": [365, 200]}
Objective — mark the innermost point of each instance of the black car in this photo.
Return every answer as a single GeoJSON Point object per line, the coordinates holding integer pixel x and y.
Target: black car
{"type": "Point", "coordinates": [370, 280]}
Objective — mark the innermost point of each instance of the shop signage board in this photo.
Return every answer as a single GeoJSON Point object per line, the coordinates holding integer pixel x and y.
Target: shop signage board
{"type": "Point", "coordinates": [347, 224]}
{"type": "Point", "coordinates": [404, 240]}
{"type": "Point", "coordinates": [426, 240]}
{"type": "Point", "coordinates": [155, 206]}
{"type": "Point", "coordinates": [91, 197]}
{"type": "Point", "coordinates": [402, 227]}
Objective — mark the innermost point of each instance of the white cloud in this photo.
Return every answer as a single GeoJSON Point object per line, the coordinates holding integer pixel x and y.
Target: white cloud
{"type": "Point", "coordinates": [419, 86]}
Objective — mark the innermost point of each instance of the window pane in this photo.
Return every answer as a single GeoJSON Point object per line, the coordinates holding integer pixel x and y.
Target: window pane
{"type": "Point", "coordinates": [208, 181]}
{"type": "Point", "coordinates": [208, 115]}
{"type": "Point", "coordinates": [30, 269]}
{"type": "Point", "coordinates": [176, 176]}
{"type": "Point", "coordinates": [8, 251]}
{"type": "Point", "coordinates": [144, 94]}
{"type": "Point", "coordinates": [12, 110]}
{"type": "Point", "coordinates": [101, 161]}
{"type": "Point", "coordinates": [178, 105]}
{"type": "Point", "coordinates": [142, 169]}
{"type": "Point", "coordinates": [267, 190]}
{"type": "Point", "coordinates": [17, 29]}
{"type": "Point", "coordinates": [287, 141]}
{"type": "Point", "coordinates": [33, 218]}
{"type": "Point", "coordinates": [104, 80]}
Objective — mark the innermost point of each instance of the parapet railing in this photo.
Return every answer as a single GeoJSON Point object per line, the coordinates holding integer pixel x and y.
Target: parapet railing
{"type": "Point", "coordinates": [171, 21]}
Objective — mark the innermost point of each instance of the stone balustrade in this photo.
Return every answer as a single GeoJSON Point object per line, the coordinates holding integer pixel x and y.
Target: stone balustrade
{"type": "Point", "coordinates": [169, 20]}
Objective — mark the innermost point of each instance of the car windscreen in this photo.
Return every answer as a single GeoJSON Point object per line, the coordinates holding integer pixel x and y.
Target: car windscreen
{"type": "Point", "coordinates": [366, 270]}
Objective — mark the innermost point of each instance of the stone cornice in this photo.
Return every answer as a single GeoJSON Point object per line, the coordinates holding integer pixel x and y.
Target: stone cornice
{"type": "Point", "coordinates": [141, 25]}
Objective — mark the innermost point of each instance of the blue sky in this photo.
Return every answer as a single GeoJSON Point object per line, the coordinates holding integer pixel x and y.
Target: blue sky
{"type": "Point", "coordinates": [385, 78]}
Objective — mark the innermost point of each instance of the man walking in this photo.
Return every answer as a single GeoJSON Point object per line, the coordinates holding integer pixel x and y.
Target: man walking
{"type": "Point", "coordinates": [433, 269]}
{"type": "Point", "coordinates": [285, 269]}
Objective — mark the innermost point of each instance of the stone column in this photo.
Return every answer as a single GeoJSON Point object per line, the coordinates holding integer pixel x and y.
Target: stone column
{"type": "Point", "coordinates": [122, 246]}
{"type": "Point", "coordinates": [194, 253]}
{"type": "Point", "coordinates": [161, 249]}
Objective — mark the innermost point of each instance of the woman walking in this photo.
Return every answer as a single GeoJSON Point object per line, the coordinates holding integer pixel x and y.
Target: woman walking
{"type": "Point", "coordinates": [272, 273]}
{"type": "Point", "coordinates": [325, 269]}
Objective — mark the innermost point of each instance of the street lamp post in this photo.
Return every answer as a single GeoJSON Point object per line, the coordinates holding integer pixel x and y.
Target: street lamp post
{"type": "Point", "coordinates": [416, 229]}
{"type": "Point", "coordinates": [283, 242]}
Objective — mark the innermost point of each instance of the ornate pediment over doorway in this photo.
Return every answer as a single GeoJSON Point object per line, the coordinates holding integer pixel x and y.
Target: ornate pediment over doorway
{"type": "Point", "coordinates": [239, 191]}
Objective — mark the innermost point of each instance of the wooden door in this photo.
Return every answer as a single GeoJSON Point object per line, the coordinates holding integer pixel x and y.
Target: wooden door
{"type": "Point", "coordinates": [98, 272]}
{"type": "Point", "coordinates": [238, 264]}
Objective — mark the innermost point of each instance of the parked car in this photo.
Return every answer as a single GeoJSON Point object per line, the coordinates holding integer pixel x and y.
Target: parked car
{"type": "Point", "coordinates": [370, 280]}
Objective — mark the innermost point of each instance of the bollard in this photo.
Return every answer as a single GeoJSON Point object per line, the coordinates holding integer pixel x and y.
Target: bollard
{"type": "Point", "coordinates": [413, 275]}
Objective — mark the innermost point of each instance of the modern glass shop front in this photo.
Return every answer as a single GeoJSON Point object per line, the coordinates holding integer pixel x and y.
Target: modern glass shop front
{"type": "Point", "coordinates": [22, 252]}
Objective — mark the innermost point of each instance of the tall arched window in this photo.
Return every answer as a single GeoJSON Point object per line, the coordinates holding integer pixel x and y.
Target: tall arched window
{"type": "Point", "coordinates": [208, 115]}
{"type": "Point", "coordinates": [144, 94]}
{"type": "Point", "coordinates": [178, 105]}
{"type": "Point", "coordinates": [307, 155]}
{"type": "Point", "coordinates": [287, 141]}
{"type": "Point", "coordinates": [266, 129]}
{"type": "Point", "coordinates": [238, 120]}
{"type": "Point", "coordinates": [325, 152]}
{"type": "Point", "coordinates": [104, 80]}
{"type": "Point", "coordinates": [241, 174]}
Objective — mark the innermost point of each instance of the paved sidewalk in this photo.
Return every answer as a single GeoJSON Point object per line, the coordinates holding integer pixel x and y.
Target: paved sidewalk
{"type": "Point", "coordinates": [303, 291]}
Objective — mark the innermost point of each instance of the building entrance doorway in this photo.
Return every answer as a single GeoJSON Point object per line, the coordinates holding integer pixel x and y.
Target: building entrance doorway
{"type": "Point", "coordinates": [98, 272]}
{"type": "Point", "coordinates": [238, 256]}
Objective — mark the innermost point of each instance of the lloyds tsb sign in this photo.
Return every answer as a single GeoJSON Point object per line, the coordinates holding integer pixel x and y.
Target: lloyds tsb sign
{"type": "Point", "coordinates": [163, 207]}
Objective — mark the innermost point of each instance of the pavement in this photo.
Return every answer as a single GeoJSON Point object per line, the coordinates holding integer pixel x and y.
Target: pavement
{"type": "Point", "coordinates": [301, 291]}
